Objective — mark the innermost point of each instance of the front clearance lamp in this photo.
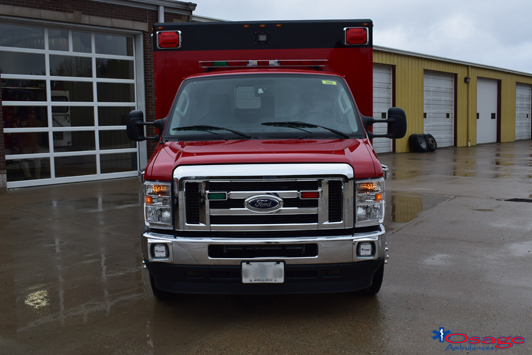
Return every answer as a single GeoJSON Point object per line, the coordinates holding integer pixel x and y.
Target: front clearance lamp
{"type": "Point", "coordinates": [370, 202]}
{"type": "Point", "coordinates": [157, 205]}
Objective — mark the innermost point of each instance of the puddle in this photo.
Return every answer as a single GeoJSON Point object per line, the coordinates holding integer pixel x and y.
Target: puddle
{"type": "Point", "coordinates": [402, 208]}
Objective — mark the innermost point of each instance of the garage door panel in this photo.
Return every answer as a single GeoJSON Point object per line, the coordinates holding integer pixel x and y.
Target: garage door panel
{"type": "Point", "coordinates": [523, 112]}
{"type": "Point", "coordinates": [487, 106]}
{"type": "Point", "coordinates": [438, 107]}
{"type": "Point", "coordinates": [382, 101]}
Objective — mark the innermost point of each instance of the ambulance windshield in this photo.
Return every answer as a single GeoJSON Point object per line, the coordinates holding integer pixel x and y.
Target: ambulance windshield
{"type": "Point", "coordinates": [263, 106]}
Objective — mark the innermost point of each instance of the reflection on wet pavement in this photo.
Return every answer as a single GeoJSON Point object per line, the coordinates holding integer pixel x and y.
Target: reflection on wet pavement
{"type": "Point", "coordinates": [406, 207]}
{"type": "Point", "coordinates": [72, 279]}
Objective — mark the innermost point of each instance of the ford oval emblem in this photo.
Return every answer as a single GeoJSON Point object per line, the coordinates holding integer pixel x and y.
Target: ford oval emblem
{"type": "Point", "coordinates": [263, 203]}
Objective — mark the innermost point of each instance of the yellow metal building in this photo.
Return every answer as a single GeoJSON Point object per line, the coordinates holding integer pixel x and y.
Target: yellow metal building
{"type": "Point", "coordinates": [408, 72]}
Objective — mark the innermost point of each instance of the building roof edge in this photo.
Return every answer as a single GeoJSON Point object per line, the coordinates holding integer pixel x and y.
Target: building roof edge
{"type": "Point", "coordinates": [448, 60]}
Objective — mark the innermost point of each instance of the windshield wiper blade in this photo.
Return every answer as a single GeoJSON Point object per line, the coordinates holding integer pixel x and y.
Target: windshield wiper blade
{"type": "Point", "coordinates": [299, 124]}
{"type": "Point", "coordinates": [208, 128]}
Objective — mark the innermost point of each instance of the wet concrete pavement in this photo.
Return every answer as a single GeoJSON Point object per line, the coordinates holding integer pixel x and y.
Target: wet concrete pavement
{"type": "Point", "coordinates": [72, 282]}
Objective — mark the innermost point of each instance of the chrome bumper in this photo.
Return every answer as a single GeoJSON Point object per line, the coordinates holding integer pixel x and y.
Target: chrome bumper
{"type": "Point", "coordinates": [331, 249]}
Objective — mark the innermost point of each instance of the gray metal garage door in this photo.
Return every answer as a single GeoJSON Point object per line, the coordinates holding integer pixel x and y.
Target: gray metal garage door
{"type": "Point", "coordinates": [487, 104]}
{"type": "Point", "coordinates": [382, 101]}
{"type": "Point", "coordinates": [438, 103]}
{"type": "Point", "coordinates": [523, 101]}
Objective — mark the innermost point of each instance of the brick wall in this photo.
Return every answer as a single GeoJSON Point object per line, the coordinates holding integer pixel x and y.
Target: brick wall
{"type": "Point", "coordinates": [85, 7]}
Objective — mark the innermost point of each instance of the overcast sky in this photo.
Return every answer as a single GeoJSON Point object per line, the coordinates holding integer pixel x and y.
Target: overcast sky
{"type": "Point", "coordinates": [489, 32]}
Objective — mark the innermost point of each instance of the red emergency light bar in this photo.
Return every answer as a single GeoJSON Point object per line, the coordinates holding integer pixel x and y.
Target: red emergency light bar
{"type": "Point", "coordinates": [263, 63]}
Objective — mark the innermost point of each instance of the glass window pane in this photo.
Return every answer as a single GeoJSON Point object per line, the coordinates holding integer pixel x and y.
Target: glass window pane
{"type": "Point", "coordinates": [116, 45]}
{"type": "Point", "coordinates": [113, 116]}
{"type": "Point", "coordinates": [22, 63]}
{"type": "Point", "coordinates": [75, 91]}
{"type": "Point", "coordinates": [25, 116]}
{"type": "Point", "coordinates": [23, 90]}
{"type": "Point", "coordinates": [70, 66]}
{"type": "Point", "coordinates": [114, 68]}
{"type": "Point", "coordinates": [114, 163]}
{"type": "Point", "coordinates": [110, 92]}
{"type": "Point", "coordinates": [75, 166]}
{"type": "Point", "coordinates": [73, 141]}
{"type": "Point", "coordinates": [115, 140]}
{"type": "Point", "coordinates": [26, 143]}
{"type": "Point", "coordinates": [58, 40]}
{"type": "Point", "coordinates": [26, 169]}
{"type": "Point", "coordinates": [72, 116]}
{"type": "Point", "coordinates": [81, 41]}
{"type": "Point", "coordinates": [21, 36]}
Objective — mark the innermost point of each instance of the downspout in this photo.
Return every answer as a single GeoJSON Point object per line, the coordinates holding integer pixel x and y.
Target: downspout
{"type": "Point", "coordinates": [161, 14]}
{"type": "Point", "coordinates": [469, 106]}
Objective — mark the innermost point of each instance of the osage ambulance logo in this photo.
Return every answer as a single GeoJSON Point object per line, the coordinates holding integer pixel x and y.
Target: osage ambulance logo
{"type": "Point", "coordinates": [461, 341]}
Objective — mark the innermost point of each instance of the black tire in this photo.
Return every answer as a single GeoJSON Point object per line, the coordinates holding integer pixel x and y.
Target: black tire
{"type": "Point", "coordinates": [376, 283]}
{"type": "Point", "coordinates": [159, 294]}
{"type": "Point", "coordinates": [418, 143]}
{"type": "Point", "coordinates": [431, 143]}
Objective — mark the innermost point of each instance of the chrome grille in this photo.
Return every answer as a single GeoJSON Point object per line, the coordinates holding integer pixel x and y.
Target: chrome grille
{"type": "Point", "coordinates": [332, 210]}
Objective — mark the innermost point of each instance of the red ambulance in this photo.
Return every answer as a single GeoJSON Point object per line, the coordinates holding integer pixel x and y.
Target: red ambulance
{"type": "Point", "coordinates": [264, 179]}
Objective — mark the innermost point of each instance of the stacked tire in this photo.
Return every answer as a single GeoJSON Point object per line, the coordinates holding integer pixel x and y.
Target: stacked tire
{"type": "Point", "coordinates": [422, 143]}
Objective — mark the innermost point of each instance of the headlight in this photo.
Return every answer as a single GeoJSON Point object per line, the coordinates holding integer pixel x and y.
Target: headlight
{"type": "Point", "coordinates": [158, 204]}
{"type": "Point", "coordinates": [369, 202]}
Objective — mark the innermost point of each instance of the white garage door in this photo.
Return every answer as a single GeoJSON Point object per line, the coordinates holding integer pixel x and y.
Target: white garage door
{"type": "Point", "coordinates": [382, 101]}
{"type": "Point", "coordinates": [487, 104]}
{"type": "Point", "coordinates": [438, 103]}
{"type": "Point", "coordinates": [523, 111]}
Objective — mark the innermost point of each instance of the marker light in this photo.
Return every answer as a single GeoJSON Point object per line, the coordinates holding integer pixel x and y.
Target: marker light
{"type": "Point", "coordinates": [217, 196]}
{"type": "Point", "coordinates": [356, 35]}
{"type": "Point", "coordinates": [169, 39]}
{"type": "Point", "coordinates": [159, 190]}
{"type": "Point", "coordinates": [310, 194]}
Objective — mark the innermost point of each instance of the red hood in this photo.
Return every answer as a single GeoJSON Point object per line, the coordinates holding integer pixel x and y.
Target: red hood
{"type": "Point", "coordinates": [355, 152]}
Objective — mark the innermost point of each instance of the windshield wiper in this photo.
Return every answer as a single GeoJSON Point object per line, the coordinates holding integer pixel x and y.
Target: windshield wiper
{"type": "Point", "coordinates": [299, 124]}
{"type": "Point", "coordinates": [207, 128]}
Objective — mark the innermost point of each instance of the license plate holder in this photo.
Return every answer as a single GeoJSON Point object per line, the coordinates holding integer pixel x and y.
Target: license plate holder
{"type": "Point", "coordinates": [254, 272]}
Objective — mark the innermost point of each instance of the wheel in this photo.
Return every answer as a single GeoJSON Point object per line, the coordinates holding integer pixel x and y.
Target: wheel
{"type": "Point", "coordinates": [431, 143]}
{"type": "Point", "coordinates": [159, 294]}
{"type": "Point", "coordinates": [377, 282]}
{"type": "Point", "coordinates": [418, 143]}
